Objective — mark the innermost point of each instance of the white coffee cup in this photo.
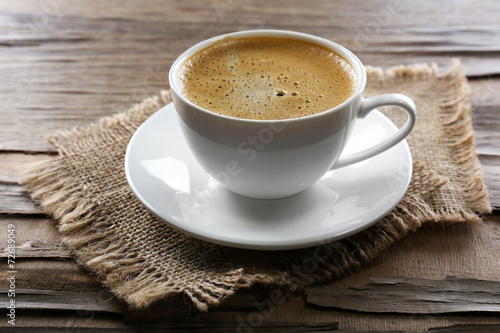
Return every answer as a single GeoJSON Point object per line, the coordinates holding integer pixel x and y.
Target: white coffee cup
{"type": "Point", "coordinates": [270, 159]}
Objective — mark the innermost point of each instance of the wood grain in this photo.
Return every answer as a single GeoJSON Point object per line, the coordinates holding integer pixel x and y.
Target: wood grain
{"type": "Point", "coordinates": [466, 328]}
{"type": "Point", "coordinates": [73, 65]}
{"type": "Point", "coordinates": [38, 249]}
{"type": "Point", "coordinates": [463, 250]}
{"type": "Point", "coordinates": [411, 295]}
{"type": "Point", "coordinates": [490, 165]}
{"type": "Point", "coordinates": [29, 299]}
{"type": "Point", "coordinates": [68, 63]}
{"type": "Point", "coordinates": [29, 229]}
{"type": "Point", "coordinates": [51, 275]}
{"type": "Point", "coordinates": [15, 200]}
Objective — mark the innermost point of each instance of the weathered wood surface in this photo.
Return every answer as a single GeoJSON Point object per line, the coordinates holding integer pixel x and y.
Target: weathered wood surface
{"type": "Point", "coordinates": [66, 63]}
{"type": "Point", "coordinates": [60, 300]}
{"type": "Point", "coordinates": [13, 197]}
{"type": "Point", "coordinates": [37, 249]}
{"type": "Point", "coordinates": [15, 200]}
{"type": "Point", "coordinates": [462, 250]}
{"type": "Point", "coordinates": [467, 328]}
{"type": "Point", "coordinates": [395, 294]}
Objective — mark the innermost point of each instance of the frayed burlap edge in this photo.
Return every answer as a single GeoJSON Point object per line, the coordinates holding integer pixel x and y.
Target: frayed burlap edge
{"type": "Point", "coordinates": [87, 235]}
{"type": "Point", "coordinates": [334, 260]}
{"type": "Point", "coordinates": [455, 119]}
{"type": "Point", "coordinates": [458, 125]}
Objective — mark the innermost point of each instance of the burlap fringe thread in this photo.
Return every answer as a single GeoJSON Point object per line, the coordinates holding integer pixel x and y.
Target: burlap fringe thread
{"type": "Point", "coordinates": [455, 119]}
{"type": "Point", "coordinates": [95, 239]}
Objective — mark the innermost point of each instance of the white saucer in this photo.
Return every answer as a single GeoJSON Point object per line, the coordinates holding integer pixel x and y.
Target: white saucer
{"type": "Point", "coordinates": [168, 181]}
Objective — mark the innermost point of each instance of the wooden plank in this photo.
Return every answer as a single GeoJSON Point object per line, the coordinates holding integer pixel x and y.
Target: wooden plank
{"type": "Point", "coordinates": [486, 122]}
{"type": "Point", "coordinates": [278, 329]}
{"type": "Point", "coordinates": [29, 231]}
{"type": "Point", "coordinates": [51, 275]}
{"type": "Point", "coordinates": [11, 163]}
{"type": "Point", "coordinates": [228, 320]}
{"type": "Point", "coordinates": [316, 328]}
{"type": "Point", "coordinates": [32, 328]}
{"type": "Point", "coordinates": [467, 328]}
{"type": "Point", "coordinates": [295, 311]}
{"type": "Point", "coordinates": [411, 295]}
{"type": "Point", "coordinates": [418, 254]}
{"type": "Point", "coordinates": [384, 25]}
{"type": "Point", "coordinates": [72, 66]}
{"type": "Point", "coordinates": [475, 65]}
{"type": "Point", "coordinates": [36, 249]}
{"type": "Point", "coordinates": [15, 200]}
{"type": "Point", "coordinates": [65, 321]}
{"type": "Point", "coordinates": [436, 251]}
{"type": "Point", "coordinates": [490, 165]}
{"type": "Point", "coordinates": [30, 299]}
{"type": "Point", "coordinates": [485, 103]}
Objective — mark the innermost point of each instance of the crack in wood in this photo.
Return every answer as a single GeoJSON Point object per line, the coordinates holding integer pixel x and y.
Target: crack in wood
{"type": "Point", "coordinates": [385, 294]}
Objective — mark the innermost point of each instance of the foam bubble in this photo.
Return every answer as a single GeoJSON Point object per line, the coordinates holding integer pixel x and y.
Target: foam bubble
{"type": "Point", "coordinates": [252, 78]}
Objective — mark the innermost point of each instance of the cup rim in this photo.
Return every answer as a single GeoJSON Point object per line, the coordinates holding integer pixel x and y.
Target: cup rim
{"type": "Point", "coordinates": [337, 48]}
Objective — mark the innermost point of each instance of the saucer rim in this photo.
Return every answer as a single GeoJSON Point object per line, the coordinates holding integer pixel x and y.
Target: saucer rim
{"type": "Point", "coordinates": [255, 244]}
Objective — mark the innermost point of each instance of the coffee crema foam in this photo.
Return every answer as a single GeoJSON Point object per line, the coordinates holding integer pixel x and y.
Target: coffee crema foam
{"type": "Point", "coordinates": [267, 78]}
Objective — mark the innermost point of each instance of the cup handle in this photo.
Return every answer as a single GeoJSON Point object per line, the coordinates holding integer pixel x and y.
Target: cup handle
{"type": "Point", "coordinates": [370, 104]}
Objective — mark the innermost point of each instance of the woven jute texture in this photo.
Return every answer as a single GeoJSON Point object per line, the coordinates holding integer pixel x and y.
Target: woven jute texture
{"type": "Point", "coordinates": [142, 260]}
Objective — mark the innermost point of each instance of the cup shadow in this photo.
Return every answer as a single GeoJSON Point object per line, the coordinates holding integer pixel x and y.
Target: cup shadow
{"type": "Point", "coordinates": [282, 211]}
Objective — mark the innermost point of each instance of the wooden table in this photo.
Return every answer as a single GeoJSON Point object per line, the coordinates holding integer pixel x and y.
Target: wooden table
{"type": "Point", "coordinates": [66, 62]}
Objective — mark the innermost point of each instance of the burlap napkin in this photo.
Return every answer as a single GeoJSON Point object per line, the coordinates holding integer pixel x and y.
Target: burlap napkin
{"type": "Point", "coordinates": [143, 260]}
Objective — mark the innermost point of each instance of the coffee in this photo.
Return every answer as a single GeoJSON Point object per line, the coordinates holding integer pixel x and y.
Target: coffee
{"type": "Point", "coordinates": [267, 78]}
